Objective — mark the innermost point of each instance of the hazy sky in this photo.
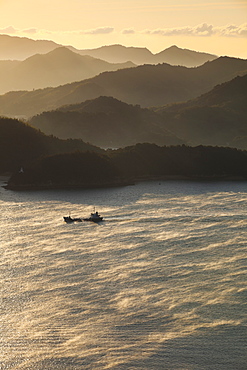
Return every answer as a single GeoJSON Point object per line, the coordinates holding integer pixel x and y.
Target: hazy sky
{"type": "Point", "coordinates": [218, 27]}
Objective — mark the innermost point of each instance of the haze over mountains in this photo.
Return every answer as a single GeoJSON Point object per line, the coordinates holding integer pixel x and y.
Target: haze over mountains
{"type": "Point", "coordinates": [20, 48]}
{"type": "Point", "coordinates": [119, 104]}
{"type": "Point", "coordinates": [215, 118]}
{"type": "Point", "coordinates": [218, 117]}
{"type": "Point", "coordinates": [172, 55]}
{"type": "Point", "coordinates": [148, 85]}
{"type": "Point", "coordinates": [58, 67]}
{"type": "Point", "coordinates": [106, 122]}
{"type": "Point", "coordinates": [47, 64]}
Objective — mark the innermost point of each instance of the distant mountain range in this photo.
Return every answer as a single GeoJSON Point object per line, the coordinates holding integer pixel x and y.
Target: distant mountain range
{"type": "Point", "coordinates": [101, 95]}
{"type": "Point", "coordinates": [58, 67]}
{"type": "Point", "coordinates": [148, 85]}
{"type": "Point", "coordinates": [20, 48]}
{"type": "Point", "coordinates": [172, 55]}
{"type": "Point", "coordinates": [105, 122]}
{"type": "Point", "coordinates": [215, 118]}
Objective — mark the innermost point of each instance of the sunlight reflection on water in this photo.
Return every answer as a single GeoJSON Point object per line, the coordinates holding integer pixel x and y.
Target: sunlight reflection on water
{"type": "Point", "coordinates": [160, 284]}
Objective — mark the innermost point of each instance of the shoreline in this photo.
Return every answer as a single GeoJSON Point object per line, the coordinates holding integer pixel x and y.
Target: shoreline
{"type": "Point", "coordinates": [30, 187]}
{"type": "Point", "coordinates": [64, 186]}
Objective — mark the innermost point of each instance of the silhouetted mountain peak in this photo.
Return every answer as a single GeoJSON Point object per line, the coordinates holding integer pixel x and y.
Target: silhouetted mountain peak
{"type": "Point", "coordinates": [119, 54]}
{"type": "Point", "coordinates": [102, 104]}
{"type": "Point", "coordinates": [225, 94]}
{"type": "Point", "coordinates": [61, 50]}
{"type": "Point", "coordinates": [105, 121]}
{"type": "Point", "coordinates": [173, 47]}
{"type": "Point", "coordinates": [20, 48]}
{"type": "Point", "coordinates": [139, 55]}
{"type": "Point", "coordinates": [118, 47]}
{"type": "Point", "coordinates": [60, 56]}
{"type": "Point", "coordinates": [226, 59]}
{"type": "Point", "coordinates": [63, 54]}
{"type": "Point", "coordinates": [54, 68]}
{"type": "Point", "coordinates": [178, 56]}
{"type": "Point", "coordinates": [223, 63]}
{"type": "Point", "coordinates": [147, 86]}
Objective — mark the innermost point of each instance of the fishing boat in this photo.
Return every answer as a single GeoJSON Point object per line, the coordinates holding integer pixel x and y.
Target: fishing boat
{"type": "Point", "coordinates": [94, 217]}
{"type": "Point", "coordinates": [69, 219]}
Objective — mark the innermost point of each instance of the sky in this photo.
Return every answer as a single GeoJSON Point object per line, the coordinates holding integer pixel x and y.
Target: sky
{"type": "Point", "coordinates": [217, 27]}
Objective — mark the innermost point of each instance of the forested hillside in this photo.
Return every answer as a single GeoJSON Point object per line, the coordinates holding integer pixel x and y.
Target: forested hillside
{"type": "Point", "coordinates": [105, 122]}
{"type": "Point", "coordinates": [131, 164]}
{"type": "Point", "coordinates": [215, 118]}
{"type": "Point", "coordinates": [148, 85]}
{"type": "Point", "coordinates": [21, 144]}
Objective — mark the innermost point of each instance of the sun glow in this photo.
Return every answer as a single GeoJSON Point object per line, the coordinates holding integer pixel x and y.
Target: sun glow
{"type": "Point", "coordinates": [217, 27]}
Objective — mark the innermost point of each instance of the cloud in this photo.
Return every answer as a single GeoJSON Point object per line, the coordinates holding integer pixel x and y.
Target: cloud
{"type": "Point", "coordinates": [202, 30]}
{"type": "Point", "coordinates": [128, 31]}
{"type": "Point", "coordinates": [98, 31]}
{"type": "Point", "coordinates": [233, 31]}
{"type": "Point", "coordinates": [31, 31]}
{"type": "Point", "coordinates": [9, 30]}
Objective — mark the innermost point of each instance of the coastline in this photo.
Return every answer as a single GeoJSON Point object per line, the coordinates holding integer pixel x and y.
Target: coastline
{"type": "Point", "coordinates": [132, 182]}
{"type": "Point", "coordinates": [64, 186]}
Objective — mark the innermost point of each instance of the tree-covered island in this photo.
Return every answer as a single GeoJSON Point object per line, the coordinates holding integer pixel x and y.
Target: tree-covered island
{"type": "Point", "coordinates": [38, 161]}
{"type": "Point", "coordinates": [129, 165]}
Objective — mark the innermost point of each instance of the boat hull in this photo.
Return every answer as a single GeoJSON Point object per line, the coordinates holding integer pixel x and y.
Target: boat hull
{"type": "Point", "coordinates": [69, 219]}
{"type": "Point", "coordinates": [93, 219]}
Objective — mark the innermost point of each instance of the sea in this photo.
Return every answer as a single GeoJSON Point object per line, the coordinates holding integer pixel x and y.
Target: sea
{"type": "Point", "coordinates": [159, 284]}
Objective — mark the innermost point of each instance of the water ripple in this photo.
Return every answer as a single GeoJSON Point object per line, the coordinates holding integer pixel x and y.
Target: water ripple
{"type": "Point", "coordinates": [160, 284]}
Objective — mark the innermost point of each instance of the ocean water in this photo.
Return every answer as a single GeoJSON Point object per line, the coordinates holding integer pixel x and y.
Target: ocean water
{"type": "Point", "coordinates": [159, 284]}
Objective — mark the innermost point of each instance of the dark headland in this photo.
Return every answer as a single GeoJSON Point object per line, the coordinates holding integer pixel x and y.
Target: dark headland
{"type": "Point", "coordinates": [129, 165]}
